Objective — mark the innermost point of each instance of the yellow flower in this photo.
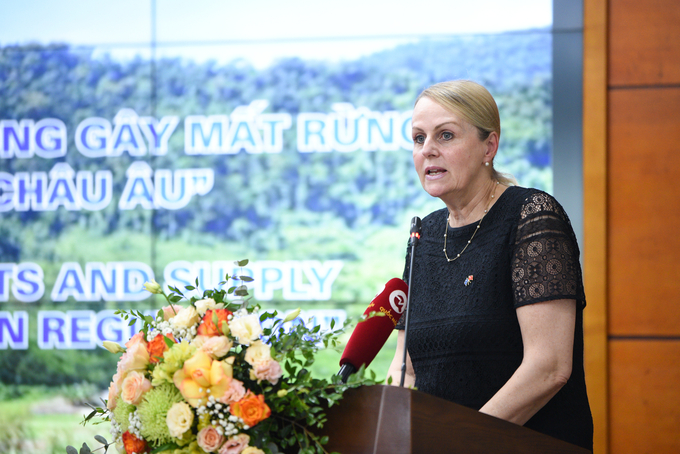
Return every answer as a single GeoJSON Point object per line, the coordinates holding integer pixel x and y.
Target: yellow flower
{"type": "Point", "coordinates": [202, 376]}
{"type": "Point", "coordinates": [252, 450]}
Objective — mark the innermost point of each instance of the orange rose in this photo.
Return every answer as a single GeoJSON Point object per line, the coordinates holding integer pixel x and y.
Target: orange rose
{"type": "Point", "coordinates": [156, 347]}
{"type": "Point", "coordinates": [134, 444]}
{"type": "Point", "coordinates": [207, 326]}
{"type": "Point", "coordinates": [251, 409]}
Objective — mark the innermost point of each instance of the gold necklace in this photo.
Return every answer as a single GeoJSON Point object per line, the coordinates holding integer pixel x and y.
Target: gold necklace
{"type": "Point", "coordinates": [479, 224]}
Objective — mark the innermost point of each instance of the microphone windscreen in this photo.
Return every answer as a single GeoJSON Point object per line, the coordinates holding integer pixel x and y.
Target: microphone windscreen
{"type": "Point", "coordinates": [370, 335]}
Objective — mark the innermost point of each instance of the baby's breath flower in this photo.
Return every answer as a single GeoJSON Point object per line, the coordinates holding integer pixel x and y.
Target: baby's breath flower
{"type": "Point", "coordinates": [135, 424]}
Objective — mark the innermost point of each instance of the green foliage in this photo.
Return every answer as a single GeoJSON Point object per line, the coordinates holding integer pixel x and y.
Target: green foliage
{"type": "Point", "coordinates": [85, 449]}
{"type": "Point", "coordinates": [298, 401]}
{"type": "Point", "coordinates": [267, 203]}
{"type": "Point", "coordinates": [286, 206]}
{"type": "Point", "coordinates": [36, 366]}
{"type": "Point", "coordinates": [13, 435]}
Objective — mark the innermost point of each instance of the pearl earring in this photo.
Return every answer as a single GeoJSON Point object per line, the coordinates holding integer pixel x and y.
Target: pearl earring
{"type": "Point", "coordinates": [486, 163]}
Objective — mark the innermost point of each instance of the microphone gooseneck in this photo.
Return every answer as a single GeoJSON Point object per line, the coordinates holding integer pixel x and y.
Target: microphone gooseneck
{"type": "Point", "coordinates": [416, 231]}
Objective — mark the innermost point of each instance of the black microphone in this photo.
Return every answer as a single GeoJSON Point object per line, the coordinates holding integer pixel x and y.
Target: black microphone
{"type": "Point", "coordinates": [416, 231]}
{"type": "Point", "coordinates": [370, 334]}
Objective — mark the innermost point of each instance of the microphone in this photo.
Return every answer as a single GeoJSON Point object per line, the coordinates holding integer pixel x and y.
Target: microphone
{"type": "Point", "coordinates": [416, 229]}
{"type": "Point", "coordinates": [370, 335]}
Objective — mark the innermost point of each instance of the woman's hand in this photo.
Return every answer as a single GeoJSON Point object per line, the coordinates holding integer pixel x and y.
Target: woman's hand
{"type": "Point", "coordinates": [548, 337]}
{"type": "Point", "coordinates": [395, 368]}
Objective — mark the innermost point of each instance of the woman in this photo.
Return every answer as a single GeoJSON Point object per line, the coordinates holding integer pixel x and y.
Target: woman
{"type": "Point", "coordinates": [496, 293]}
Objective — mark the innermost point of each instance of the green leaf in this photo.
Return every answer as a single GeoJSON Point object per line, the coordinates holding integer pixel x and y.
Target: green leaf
{"type": "Point", "coordinates": [101, 439]}
{"type": "Point", "coordinates": [246, 278]}
{"type": "Point", "coordinates": [132, 322]}
{"type": "Point", "coordinates": [85, 449]}
{"type": "Point", "coordinates": [169, 342]}
{"type": "Point", "coordinates": [165, 447]}
{"type": "Point", "coordinates": [190, 287]}
{"type": "Point", "coordinates": [176, 290]}
{"type": "Point", "coordinates": [242, 262]}
{"type": "Point", "coordinates": [71, 450]}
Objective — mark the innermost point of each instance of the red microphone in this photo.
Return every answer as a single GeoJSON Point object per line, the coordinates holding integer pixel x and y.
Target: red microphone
{"type": "Point", "coordinates": [370, 335]}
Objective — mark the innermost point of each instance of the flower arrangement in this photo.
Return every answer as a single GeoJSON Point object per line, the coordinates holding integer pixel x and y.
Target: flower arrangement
{"type": "Point", "coordinates": [214, 375]}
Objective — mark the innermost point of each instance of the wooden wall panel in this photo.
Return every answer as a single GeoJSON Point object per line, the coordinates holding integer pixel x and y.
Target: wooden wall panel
{"type": "Point", "coordinates": [644, 42]}
{"type": "Point", "coordinates": [644, 212]}
{"type": "Point", "coordinates": [595, 213]}
{"type": "Point", "coordinates": [644, 397]}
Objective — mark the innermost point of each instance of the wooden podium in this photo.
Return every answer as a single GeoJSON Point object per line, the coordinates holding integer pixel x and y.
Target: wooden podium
{"type": "Point", "coordinates": [393, 420]}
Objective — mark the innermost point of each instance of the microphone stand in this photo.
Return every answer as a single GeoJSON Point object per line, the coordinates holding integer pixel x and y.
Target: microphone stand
{"type": "Point", "coordinates": [416, 229]}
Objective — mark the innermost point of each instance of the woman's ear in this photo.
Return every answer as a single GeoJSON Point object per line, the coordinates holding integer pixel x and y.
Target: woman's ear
{"type": "Point", "coordinates": [491, 145]}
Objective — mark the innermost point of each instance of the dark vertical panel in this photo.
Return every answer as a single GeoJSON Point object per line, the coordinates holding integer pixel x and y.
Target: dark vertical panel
{"type": "Point", "coordinates": [567, 109]}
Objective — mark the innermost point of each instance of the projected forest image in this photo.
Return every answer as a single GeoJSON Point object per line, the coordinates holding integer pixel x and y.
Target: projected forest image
{"type": "Point", "coordinates": [116, 171]}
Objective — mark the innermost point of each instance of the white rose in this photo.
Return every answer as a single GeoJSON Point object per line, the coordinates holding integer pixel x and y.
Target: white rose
{"type": "Point", "coordinates": [217, 346]}
{"type": "Point", "coordinates": [246, 329]}
{"type": "Point", "coordinates": [179, 419]}
{"type": "Point", "coordinates": [203, 305]}
{"type": "Point", "coordinates": [198, 341]}
{"type": "Point", "coordinates": [185, 318]}
{"type": "Point", "coordinates": [257, 353]}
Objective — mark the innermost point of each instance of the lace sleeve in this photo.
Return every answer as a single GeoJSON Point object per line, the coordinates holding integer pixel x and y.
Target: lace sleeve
{"type": "Point", "coordinates": [545, 263]}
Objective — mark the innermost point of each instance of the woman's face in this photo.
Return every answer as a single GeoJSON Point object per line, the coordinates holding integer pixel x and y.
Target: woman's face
{"type": "Point", "coordinates": [447, 152]}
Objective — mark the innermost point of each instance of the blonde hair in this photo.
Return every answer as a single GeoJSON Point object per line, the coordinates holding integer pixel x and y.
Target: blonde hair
{"type": "Point", "coordinates": [475, 104]}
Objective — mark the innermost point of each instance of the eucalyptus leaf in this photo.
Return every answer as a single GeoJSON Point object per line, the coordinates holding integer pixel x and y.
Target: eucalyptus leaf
{"type": "Point", "coordinates": [101, 439]}
{"type": "Point", "coordinates": [71, 450]}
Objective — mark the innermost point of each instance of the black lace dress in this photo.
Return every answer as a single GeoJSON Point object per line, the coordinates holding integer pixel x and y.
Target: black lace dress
{"type": "Point", "coordinates": [464, 337]}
